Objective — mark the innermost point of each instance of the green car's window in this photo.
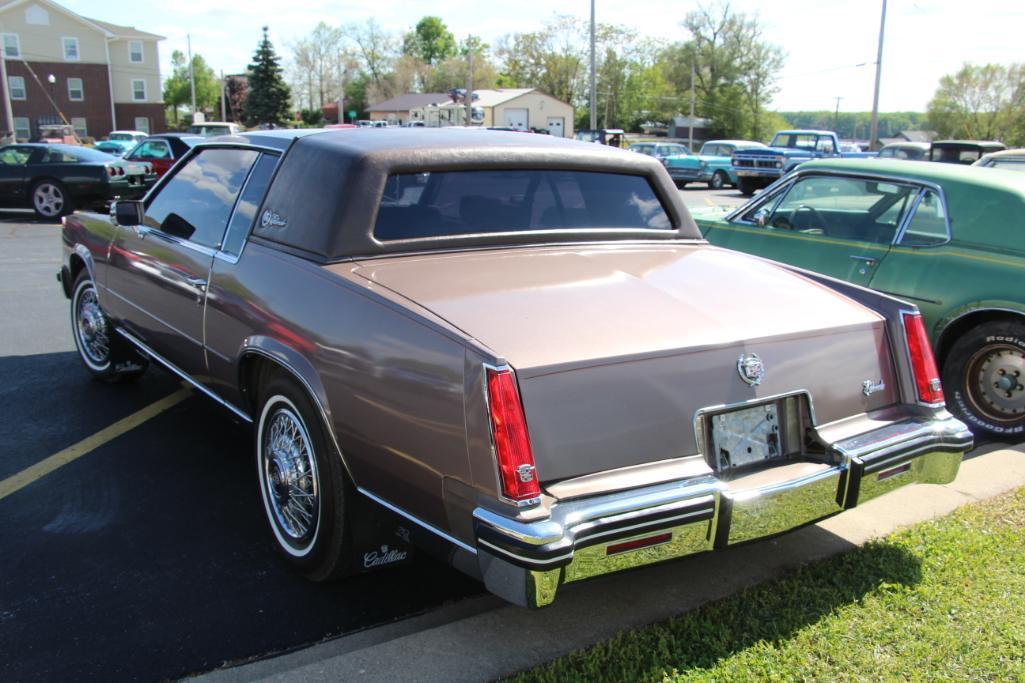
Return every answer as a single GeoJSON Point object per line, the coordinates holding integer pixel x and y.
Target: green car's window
{"type": "Point", "coordinates": [853, 209]}
{"type": "Point", "coordinates": [928, 227]}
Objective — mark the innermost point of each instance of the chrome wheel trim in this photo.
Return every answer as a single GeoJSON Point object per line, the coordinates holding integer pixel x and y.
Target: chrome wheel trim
{"type": "Point", "coordinates": [90, 327]}
{"type": "Point", "coordinates": [995, 383]}
{"type": "Point", "coordinates": [717, 182]}
{"type": "Point", "coordinates": [289, 479]}
{"type": "Point", "coordinates": [48, 200]}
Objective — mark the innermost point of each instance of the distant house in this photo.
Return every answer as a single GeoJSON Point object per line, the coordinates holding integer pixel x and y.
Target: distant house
{"type": "Point", "coordinates": [101, 76]}
{"type": "Point", "coordinates": [400, 109]}
{"type": "Point", "coordinates": [680, 126]}
{"type": "Point", "coordinates": [516, 108]}
{"type": "Point", "coordinates": [917, 135]}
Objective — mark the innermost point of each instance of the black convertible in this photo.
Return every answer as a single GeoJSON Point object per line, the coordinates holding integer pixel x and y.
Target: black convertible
{"type": "Point", "coordinates": [54, 180]}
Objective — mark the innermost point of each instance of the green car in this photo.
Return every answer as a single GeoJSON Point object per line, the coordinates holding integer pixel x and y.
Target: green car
{"type": "Point", "coordinates": [948, 238]}
{"type": "Point", "coordinates": [712, 165]}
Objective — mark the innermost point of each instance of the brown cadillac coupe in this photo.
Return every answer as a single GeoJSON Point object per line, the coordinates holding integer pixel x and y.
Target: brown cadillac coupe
{"type": "Point", "coordinates": [511, 350]}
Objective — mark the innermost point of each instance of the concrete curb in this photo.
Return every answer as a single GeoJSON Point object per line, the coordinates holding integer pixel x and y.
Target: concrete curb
{"type": "Point", "coordinates": [483, 639]}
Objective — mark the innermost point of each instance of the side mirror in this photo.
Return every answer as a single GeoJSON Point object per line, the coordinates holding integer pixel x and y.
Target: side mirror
{"type": "Point", "coordinates": [127, 212]}
{"type": "Point", "coordinates": [761, 218]}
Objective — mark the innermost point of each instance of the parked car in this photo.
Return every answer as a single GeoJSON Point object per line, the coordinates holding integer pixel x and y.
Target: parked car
{"type": "Point", "coordinates": [125, 139]}
{"type": "Point", "coordinates": [659, 150]}
{"type": "Point", "coordinates": [712, 165]}
{"type": "Point", "coordinates": [915, 151]}
{"type": "Point", "coordinates": [53, 180]}
{"type": "Point", "coordinates": [1009, 159]}
{"type": "Point", "coordinates": [759, 167]}
{"type": "Point", "coordinates": [341, 125]}
{"type": "Point", "coordinates": [493, 341]}
{"type": "Point", "coordinates": [162, 150]}
{"type": "Point", "coordinates": [951, 240]}
{"type": "Point", "coordinates": [211, 129]}
{"type": "Point", "coordinates": [962, 151]}
{"type": "Point", "coordinates": [613, 137]}
{"type": "Point", "coordinates": [114, 149]}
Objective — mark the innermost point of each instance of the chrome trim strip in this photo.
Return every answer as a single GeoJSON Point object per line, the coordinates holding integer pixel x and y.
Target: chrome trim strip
{"type": "Point", "coordinates": [181, 373]}
{"type": "Point", "coordinates": [525, 560]}
{"type": "Point", "coordinates": [419, 522]}
{"type": "Point", "coordinates": [655, 522]}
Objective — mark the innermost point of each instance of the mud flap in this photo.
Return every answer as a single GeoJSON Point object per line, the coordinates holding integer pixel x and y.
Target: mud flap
{"type": "Point", "coordinates": [380, 538]}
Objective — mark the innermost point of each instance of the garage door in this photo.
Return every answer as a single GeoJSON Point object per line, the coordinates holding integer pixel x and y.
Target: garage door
{"type": "Point", "coordinates": [556, 125]}
{"type": "Point", "coordinates": [516, 118]}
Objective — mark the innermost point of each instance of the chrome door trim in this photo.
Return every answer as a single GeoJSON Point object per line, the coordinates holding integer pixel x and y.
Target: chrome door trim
{"type": "Point", "coordinates": [181, 373]}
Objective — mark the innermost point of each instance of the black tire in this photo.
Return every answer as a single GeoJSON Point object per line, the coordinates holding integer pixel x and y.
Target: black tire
{"type": "Point", "coordinates": [50, 199]}
{"type": "Point", "coordinates": [718, 181]}
{"type": "Point", "coordinates": [311, 533]}
{"type": "Point", "coordinates": [105, 355]}
{"type": "Point", "coordinates": [747, 186]}
{"type": "Point", "coordinates": [984, 379]}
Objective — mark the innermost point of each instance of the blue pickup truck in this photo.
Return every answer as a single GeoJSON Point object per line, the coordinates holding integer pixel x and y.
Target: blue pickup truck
{"type": "Point", "coordinates": [759, 167]}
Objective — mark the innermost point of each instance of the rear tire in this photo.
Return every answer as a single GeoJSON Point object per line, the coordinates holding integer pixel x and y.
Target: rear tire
{"type": "Point", "coordinates": [50, 199]}
{"type": "Point", "coordinates": [718, 181]}
{"type": "Point", "coordinates": [984, 379]}
{"type": "Point", "coordinates": [107, 357]}
{"type": "Point", "coordinates": [305, 491]}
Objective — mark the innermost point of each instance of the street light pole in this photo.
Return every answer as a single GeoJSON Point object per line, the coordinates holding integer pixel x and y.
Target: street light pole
{"type": "Point", "coordinates": [594, 94]}
{"type": "Point", "coordinates": [192, 77]}
{"type": "Point", "coordinates": [873, 138]}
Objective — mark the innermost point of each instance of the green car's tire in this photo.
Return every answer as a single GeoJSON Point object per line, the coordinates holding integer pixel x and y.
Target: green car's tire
{"type": "Point", "coordinates": [718, 181]}
{"type": "Point", "coordinates": [984, 379]}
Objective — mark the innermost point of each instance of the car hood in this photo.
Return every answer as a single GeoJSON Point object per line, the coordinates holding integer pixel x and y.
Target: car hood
{"type": "Point", "coordinates": [546, 309]}
{"type": "Point", "coordinates": [776, 151]}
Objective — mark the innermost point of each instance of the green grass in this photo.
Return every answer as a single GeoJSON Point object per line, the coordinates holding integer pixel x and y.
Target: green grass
{"type": "Point", "coordinates": [944, 600]}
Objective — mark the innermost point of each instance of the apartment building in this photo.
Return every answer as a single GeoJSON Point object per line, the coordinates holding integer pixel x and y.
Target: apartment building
{"type": "Point", "coordinates": [99, 75]}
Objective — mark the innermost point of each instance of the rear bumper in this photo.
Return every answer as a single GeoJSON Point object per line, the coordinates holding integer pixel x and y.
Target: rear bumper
{"type": "Point", "coordinates": [526, 562]}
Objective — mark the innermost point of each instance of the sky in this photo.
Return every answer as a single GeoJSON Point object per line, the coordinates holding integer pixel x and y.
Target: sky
{"type": "Point", "coordinates": [830, 44]}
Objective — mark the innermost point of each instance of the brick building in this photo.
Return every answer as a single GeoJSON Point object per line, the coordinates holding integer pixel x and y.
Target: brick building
{"type": "Point", "coordinates": [101, 76]}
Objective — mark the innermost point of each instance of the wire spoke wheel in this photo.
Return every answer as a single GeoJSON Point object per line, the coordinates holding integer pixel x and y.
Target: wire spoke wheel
{"type": "Point", "coordinates": [290, 478]}
{"type": "Point", "coordinates": [91, 329]}
{"type": "Point", "coordinates": [995, 382]}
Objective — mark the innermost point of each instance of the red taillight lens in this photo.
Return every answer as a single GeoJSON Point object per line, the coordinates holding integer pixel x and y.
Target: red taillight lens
{"type": "Point", "coordinates": [923, 365]}
{"type": "Point", "coordinates": [111, 171]}
{"type": "Point", "coordinates": [516, 471]}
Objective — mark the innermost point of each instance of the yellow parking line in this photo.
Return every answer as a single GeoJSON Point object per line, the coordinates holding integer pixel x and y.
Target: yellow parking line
{"type": "Point", "coordinates": [74, 452]}
{"type": "Point", "coordinates": [709, 201]}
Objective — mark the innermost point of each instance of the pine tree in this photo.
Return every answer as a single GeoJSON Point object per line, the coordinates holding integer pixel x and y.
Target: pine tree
{"type": "Point", "coordinates": [267, 100]}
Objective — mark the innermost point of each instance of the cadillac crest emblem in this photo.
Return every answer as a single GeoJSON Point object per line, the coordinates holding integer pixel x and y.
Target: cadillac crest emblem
{"type": "Point", "coordinates": [751, 369]}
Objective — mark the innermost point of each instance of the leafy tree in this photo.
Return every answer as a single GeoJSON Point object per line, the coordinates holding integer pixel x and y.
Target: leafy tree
{"type": "Point", "coordinates": [430, 42]}
{"type": "Point", "coordinates": [451, 73]}
{"type": "Point", "coordinates": [268, 98]}
{"type": "Point", "coordinates": [375, 49]}
{"type": "Point", "coordinates": [237, 88]}
{"type": "Point", "coordinates": [317, 66]}
{"type": "Point", "coordinates": [981, 103]}
{"type": "Point", "coordinates": [178, 90]}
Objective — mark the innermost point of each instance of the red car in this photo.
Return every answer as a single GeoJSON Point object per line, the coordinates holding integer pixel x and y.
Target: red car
{"type": "Point", "coordinates": [161, 151]}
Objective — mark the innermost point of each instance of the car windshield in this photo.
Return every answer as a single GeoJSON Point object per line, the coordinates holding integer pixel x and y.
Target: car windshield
{"type": "Point", "coordinates": [125, 137]}
{"type": "Point", "coordinates": [450, 203]}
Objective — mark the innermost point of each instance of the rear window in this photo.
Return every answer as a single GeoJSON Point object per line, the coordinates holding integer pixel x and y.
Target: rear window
{"type": "Point", "coordinates": [451, 203]}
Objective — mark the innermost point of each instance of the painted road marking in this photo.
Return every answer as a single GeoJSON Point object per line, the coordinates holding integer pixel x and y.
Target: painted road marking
{"type": "Point", "coordinates": [54, 462]}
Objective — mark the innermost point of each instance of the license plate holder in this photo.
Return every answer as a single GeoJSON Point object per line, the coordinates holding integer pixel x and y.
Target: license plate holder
{"type": "Point", "coordinates": [747, 436]}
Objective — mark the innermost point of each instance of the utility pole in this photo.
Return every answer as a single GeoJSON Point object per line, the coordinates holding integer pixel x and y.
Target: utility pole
{"type": "Point", "coordinates": [224, 112]}
{"type": "Point", "coordinates": [836, 116]}
{"type": "Point", "coordinates": [594, 94]}
{"type": "Point", "coordinates": [873, 138]}
{"type": "Point", "coordinates": [192, 76]}
{"type": "Point", "coordinates": [8, 114]}
{"type": "Point", "coordinates": [469, 80]}
{"type": "Point", "coordinates": [690, 128]}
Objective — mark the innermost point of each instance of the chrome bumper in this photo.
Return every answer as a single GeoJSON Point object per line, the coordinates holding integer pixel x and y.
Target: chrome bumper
{"type": "Point", "coordinates": [526, 562]}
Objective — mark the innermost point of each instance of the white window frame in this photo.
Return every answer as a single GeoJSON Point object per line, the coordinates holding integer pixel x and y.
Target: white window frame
{"type": "Point", "coordinates": [64, 49]}
{"type": "Point", "coordinates": [131, 52]}
{"type": "Point", "coordinates": [10, 84]}
{"type": "Point", "coordinates": [81, 90]}
{"type": "Point", "coordinates": [84, 131]}
{"type": "Point", "coordinates": [144, 129]}
{"type": "Point", "coordinates": [27, 129]}
{"type": "Point", "coordinates": [145, 94]}
{"type": "Point", "coordinates": [17, 46]}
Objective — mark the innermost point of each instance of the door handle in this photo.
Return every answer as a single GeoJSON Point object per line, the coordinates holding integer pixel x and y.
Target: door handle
{"type": "Point", "coordinates": [197, 282]}
{"type": "Point", "coordinates": [867, 260]}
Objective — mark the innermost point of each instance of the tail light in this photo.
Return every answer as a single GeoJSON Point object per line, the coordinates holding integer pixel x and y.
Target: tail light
{"type": "Point", "coordinates": [517, 474]}
{"type": "Point", "coordinates": [923, 364]}
{"type": "Point", "coordinates": [111, 171]}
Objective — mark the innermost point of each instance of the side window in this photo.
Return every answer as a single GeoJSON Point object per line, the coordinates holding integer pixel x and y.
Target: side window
{"type": "Point", "coordinates": [196, 202]}
{"type": "Point", "coordinates": [245, 211]}
{"type": "Point", "coordinates": [153, 150]}
{"type": "Point", "coordinates": [928, 227]}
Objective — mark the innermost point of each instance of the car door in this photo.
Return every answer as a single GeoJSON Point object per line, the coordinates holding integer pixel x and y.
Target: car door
{"type": "Point", "coordinates": [156, 152]}
{"type": "Point", "coordinates": [14, 175]}
{"type": "Point", "coordinates": [837, 225]}
{"type": "Point", "coordinates": [159, 270]}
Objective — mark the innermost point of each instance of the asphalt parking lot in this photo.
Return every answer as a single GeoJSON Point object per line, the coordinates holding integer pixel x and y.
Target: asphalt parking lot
{"type": "Point", "coordinates": [133, 544]}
